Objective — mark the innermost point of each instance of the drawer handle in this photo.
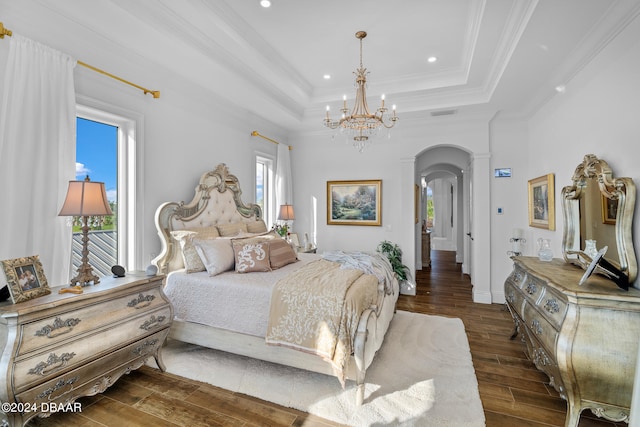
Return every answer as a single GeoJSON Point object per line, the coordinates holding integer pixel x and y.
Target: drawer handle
{"type": "Point", "coordinates": [541, 357]}
{"type": "Point", "coordinates": [59, 327]}
{"type": "Point", "coordinates": [153, 322]}
{"type": "Point", "coordinates": [552, 306]}
{"type": "Point", "coordinates": [48, 393]}
{"type": "Point", "coordinates": [53, 363]}
{"type": "Point", "coordinates": [144, 347]}
{"type": "Point", "coordinates": [142, 301]}
{"type": "Point", "coordinates": [535, 325]}
{"type": "Point", "coordinates": [532, 288]}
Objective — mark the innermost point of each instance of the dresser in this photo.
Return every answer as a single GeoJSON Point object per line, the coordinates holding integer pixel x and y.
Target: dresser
{"type": "Point", "coordinates": [585, 338]}
{"type": "Point", "coordinates": [59, 347]}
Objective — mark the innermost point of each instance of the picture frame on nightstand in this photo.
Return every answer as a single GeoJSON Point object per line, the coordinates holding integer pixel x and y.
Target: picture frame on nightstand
{"type": "Point", "coordinates": [293, 237]}
{"type": "Point", "coordinates": [25, 278]}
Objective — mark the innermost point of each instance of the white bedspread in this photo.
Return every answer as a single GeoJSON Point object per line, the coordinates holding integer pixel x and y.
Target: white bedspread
{"type": "Point", "coordinates": [238, 302]}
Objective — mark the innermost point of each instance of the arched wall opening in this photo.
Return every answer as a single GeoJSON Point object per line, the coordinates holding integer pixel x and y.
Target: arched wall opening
{"type": "Point", "coordinates": [441, 173]}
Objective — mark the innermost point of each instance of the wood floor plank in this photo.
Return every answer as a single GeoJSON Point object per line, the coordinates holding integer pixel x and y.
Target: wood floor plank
{"type": "Point", "coordinates": [110, 412]}
{"type": "Point", "coordinates": [252, 410]}
{"type": "Point", "coordinates": [184, 413]}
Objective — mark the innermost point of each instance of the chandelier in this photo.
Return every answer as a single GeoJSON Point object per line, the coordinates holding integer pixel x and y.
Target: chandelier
{"type": "Point", "coordinates": [361, 124]}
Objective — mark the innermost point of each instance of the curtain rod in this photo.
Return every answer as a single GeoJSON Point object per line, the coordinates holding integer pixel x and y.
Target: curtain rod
{"type": "Point", "coordinates": [255, 133]}
{"type": "Point", "coordinates": [4, 31]}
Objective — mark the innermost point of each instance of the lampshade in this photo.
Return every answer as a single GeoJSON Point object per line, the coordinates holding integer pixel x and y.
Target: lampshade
{"type": "Point", "coordinates": [86, 198]}
{"type": "Point", "coordinates": [286, 213]}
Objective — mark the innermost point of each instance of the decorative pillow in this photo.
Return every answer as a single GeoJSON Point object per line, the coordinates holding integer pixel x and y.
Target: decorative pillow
{"type": "Point", "coordinates": [251, 257]}
{"type": "Point", "coordinates": [192, 262]}
{"type": "Point", "coordinates": [256, 226]}
{"type": "Point", "coordinates": [216, 254]}
{"type": "Point", "coordinates": [281, 253]}
{"type": "Point", "coordinates": [232, 228]}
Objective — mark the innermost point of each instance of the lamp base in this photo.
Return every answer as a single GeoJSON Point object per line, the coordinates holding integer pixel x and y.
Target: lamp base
{"type": "Point", "coordinates": [85, 276]}
{"type": "Point", "coordinates": [85, 271]}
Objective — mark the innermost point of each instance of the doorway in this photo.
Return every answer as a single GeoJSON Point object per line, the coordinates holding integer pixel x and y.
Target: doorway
{"type": "Point", "coordinates": [442, 208]}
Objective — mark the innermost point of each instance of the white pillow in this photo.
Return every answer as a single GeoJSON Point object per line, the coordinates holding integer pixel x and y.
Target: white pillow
{"type": "Point", "coordinates": [216, 254]}
{"type": "Point", "coordinates": [191, 259]}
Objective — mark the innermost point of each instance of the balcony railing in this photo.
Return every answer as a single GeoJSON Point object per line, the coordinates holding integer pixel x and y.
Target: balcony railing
{"type": "Point", "coordinates": [103, 251]}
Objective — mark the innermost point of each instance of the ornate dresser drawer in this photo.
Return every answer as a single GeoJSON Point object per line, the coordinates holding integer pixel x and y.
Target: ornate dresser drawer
{"type": "Point", "coordinates": [60, 347]}
{"type": "Point", "coordinates": [553, 306]}
{"type": "Point", "coordinates": [540, 327]}
{"type": "Point", "coordinates": [48, 331]}
{"type": "Point", "coordinates": [44, 365]}
{"type": "Point", "coordinates": [571, 330]}
{"type": "Point", "coordinates": [92, 376]}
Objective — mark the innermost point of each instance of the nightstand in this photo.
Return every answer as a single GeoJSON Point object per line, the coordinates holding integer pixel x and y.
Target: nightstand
{"type": "Point", "coordinates": [59, 347]}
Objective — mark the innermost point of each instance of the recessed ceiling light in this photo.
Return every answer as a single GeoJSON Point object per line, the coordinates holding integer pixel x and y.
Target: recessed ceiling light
{"type": "Point", "coordinates": [432, 59]}
{"type": "Point", "coordinates": [326, 76]}
{"type": "Point", "coordinates": [265, 3]}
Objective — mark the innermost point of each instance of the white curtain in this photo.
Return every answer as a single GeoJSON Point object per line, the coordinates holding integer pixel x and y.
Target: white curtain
{"type": "Point", "coordinates": [284, 192]}
{"type": "Point", "coordinates": [37, 155]}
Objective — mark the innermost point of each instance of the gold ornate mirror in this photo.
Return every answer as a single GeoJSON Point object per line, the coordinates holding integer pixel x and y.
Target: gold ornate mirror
{"type": "Point", "coordinates": [598, 211]}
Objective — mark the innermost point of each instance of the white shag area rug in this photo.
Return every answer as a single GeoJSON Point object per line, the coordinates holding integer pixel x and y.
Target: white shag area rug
{"type": "Point", "coordinates": [422, 376]}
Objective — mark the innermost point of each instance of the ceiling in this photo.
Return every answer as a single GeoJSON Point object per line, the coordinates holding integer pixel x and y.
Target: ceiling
{"type": "Point", "coordinates": [503, 56]}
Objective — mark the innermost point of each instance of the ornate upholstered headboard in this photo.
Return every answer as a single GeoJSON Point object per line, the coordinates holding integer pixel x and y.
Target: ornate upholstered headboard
{"type": "Point", "coordinates": [217, 202]}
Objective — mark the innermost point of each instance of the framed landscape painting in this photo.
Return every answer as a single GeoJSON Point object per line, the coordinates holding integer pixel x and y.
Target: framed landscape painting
{"type": "Point", "coordinates": [25, 278]}
{"type": "Point", "coordinates": [354, 202]}
{"type": "Point", "coordinates": [542, 202]}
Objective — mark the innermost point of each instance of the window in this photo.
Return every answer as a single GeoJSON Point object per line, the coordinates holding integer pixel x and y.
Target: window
{"type": "Point", "coordinates": [265, 190]}
{"type": "Point", "coordinates": [97, 158]}
{"type": "Point", "coordinates": [106, 150]}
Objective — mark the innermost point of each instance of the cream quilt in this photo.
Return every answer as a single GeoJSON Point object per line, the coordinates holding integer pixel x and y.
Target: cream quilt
{"type": "Point", "coordinates": [317, 309]}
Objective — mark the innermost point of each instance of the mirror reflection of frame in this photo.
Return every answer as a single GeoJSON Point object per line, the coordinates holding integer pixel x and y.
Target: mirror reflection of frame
{"type": "Point", "coordinates": [609, 209]}
{"type": "Point", "coordinates": [600, 207]}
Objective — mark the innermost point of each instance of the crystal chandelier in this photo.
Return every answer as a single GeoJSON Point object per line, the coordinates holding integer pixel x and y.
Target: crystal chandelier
{"type": "Point", "coordinates": [361, 124]}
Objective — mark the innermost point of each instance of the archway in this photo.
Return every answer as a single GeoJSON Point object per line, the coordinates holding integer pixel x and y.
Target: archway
{"type": "Point", "coordinates": [441, 171]}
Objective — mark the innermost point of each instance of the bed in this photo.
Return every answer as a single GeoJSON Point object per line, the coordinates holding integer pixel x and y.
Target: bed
{"type": "Point", "coordinates": [221, 306]}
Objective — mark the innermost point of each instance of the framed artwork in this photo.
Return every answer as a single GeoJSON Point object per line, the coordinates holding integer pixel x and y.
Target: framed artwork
{"type": "Point", "coordinates": [294, 239]}
{"type": "Point", "coordinates": [542, 202]}
{"type": "Point", "coordinates": [609, 210]}
{"type": "Point", "coordinates": [25, 278]}
{"type": "Point", "coordinates": [354, 202]}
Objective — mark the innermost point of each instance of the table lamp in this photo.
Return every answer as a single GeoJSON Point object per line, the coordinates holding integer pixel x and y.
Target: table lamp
{"type": "Point", "coordinates": [286, 214]}
{"type": "Point", "coordinates": [85, 199]}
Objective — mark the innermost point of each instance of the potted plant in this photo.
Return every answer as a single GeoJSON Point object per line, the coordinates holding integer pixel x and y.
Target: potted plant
{"type": "Point", "coordinates": [394, 254]}
{"type": "Point", "coordinates": [281, 229]}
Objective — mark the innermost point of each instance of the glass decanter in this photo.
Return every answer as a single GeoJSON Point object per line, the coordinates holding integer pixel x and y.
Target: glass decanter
{"type": "Point", "coordinates": [544, 250]}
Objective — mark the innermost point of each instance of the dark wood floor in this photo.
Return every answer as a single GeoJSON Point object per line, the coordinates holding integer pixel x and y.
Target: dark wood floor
{"type": "Point", "coordinates": [513, 391]}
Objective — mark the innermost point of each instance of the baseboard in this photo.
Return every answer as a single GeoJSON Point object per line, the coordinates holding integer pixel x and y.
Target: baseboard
{"type": "Point", "coordinates": [482, 297]}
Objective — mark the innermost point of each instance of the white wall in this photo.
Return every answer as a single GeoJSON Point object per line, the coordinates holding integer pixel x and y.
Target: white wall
{"type": "Point", "coordinates": [508, 137]}
{"type": "Point", "coordinates": [598, 114]}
